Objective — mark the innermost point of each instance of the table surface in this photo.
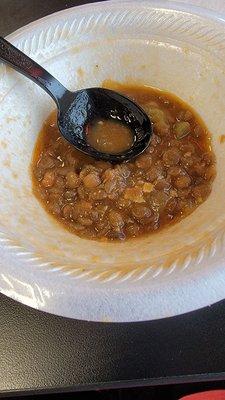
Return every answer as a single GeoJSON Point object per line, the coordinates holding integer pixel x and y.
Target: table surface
{"type": "Point", "coordinates": [42, 352]}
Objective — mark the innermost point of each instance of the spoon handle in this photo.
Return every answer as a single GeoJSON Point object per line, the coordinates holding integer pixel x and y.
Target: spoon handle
{"type": "Point", "coordinates": [26, 66]}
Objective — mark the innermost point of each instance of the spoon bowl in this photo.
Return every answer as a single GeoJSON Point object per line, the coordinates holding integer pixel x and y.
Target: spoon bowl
{"type": "Point", "coordinates": [88, 105]}
{"type": "Point", "coordinates": [76, 110]}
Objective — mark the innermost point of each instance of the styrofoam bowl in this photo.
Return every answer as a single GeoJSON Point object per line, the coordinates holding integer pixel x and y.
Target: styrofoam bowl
{"type": "Point", "coordinates": [174, 47]}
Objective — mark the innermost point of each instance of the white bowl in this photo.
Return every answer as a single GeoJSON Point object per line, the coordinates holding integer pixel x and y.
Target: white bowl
{"type": "Point", "coordinates": [174, 47]}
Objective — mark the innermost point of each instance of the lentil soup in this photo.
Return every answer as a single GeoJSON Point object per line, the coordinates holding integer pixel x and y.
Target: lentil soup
{"type": "Point", "coordinates": [98, 200]}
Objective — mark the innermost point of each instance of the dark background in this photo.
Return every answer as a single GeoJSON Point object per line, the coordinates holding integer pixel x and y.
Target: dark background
{"type": "Point", "coordinates": [17, 13]}
{"type": "Point", "coordinates": [41, 353]}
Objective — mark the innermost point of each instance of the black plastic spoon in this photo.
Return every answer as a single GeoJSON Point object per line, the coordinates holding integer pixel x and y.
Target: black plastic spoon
{"type": "Point", "coordinates": [77, 109]}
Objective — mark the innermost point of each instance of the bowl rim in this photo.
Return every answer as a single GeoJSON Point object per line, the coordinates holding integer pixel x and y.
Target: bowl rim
{"type": "Point", "coordinates": [172, 5]}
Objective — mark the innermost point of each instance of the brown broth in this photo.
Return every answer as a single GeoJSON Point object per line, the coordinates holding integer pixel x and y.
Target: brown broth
{"type": "Point", "coordinates": [109, 137]}
{"type": "Point", "coordinates": [97, 200]}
